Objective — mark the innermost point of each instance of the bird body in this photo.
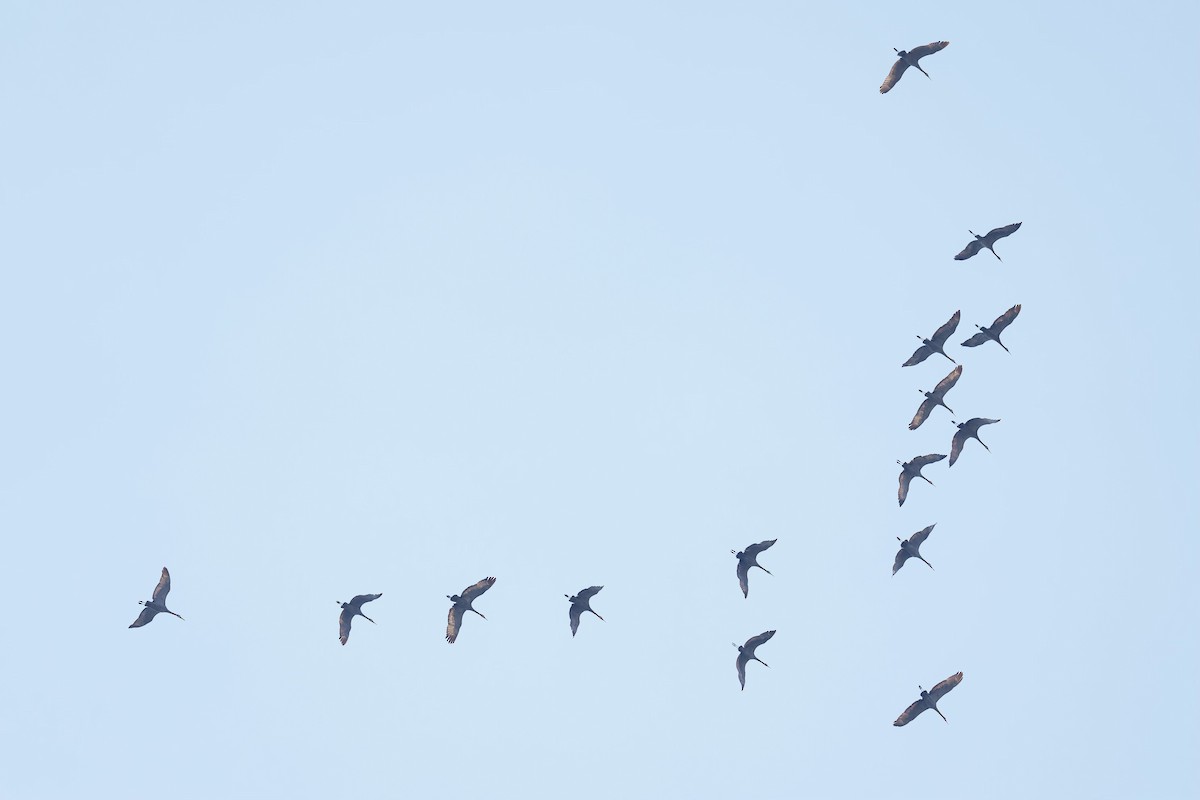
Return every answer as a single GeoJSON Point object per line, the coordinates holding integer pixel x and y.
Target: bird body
{"type": "Point", "coordinates": [912, 469]}
{"type": "Point", "coordinates": [749, 558]}
{"type": "Point", "coordinates": [350, 611]}
{"type": "Point", "coordinates": [580, 603]}
{"type": "Point", "coordinates": [746, 654]}
{"type": "Point", "coordinates": [935, 398]}
{"type": "Point", "coordinates": [929, 700]}
{"type": "Point", "coordinates": [906, 59]}
{"type": "Point", "coordinates": [935, 343]}
{"type": "Point", "coordinates": [968, 430]}
{"type": "Point", "coordinates": [157, 604]}
{"type": "Point", "coordinates": [994, 330]}
{"type": "Point", "coordinates": [462, 604]}
{"type": "Point", "coordinates": [993, 236]}
{"type": "Point", "coordinates": [911, 548]}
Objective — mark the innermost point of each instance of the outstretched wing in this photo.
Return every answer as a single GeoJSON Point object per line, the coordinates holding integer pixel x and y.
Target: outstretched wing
{"type": "Point", "coordinates": [975, 423]}
{"type": "Point", "coordinates": [911, 713]}
{"type": "Point", "coordinates": [893, 77]}
{"type": "Point", "coordinates": [1005, 319]}
{"type": "Point", "coordinates": [976, 340]}
{"type": "Point", "coordinates": [920, 354]}
{"type": "Point", "coordinates": [947, 383]}
{"type": "Point", "coordinates": [918, 538]}
{"type": "Point", "coordinates": [969, 250]}
{"type": "Point", "coordinates": [905, 480]}
{"type": "Point", "coordinates": [923, 410]}
{"type": "Point", "coordinates": [359, 599]}
{"type": "Point", "coordinates": [755, 641]}
{"type": "Point", "coordinates": [453, 623]}
{"type": "Point", "coordinates": [946, 331]}
{"type": "Point", "coordinates": [589, 593]}
{"type": "Point", "coordinates": [918, 53]}
{"type": "Point", "coordinates": [921, 461]}
{"type": "Point", "coordinates": [741, 667]}
{"type": "Point", "coordinates": [956, 444]}
{"type": "Point", "coordinates": [901, 557]}
{"type": "Point", "coordinates": [576, 613]}
{"type": "Point", "coordinates": [144, 617]}
{"type": "Point", "coordinates": [755, 549]}
{"type": "Point", "coordinates": [164, 586]}
{"type": "Point", "coordinates": [344, 620]}
{"type": "Point", "coordinates": [995, 234]}
{"type": "Point", "coordinates": [943, 688]}
{"type": "Point", "coordinates": [473, 591]}
{"type": "Point", "coordinates": [743, 572]}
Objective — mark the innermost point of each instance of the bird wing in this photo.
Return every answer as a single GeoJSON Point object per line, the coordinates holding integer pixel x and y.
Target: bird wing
{"type": "Point", "coordinates": [947, 383]}
{"type": "Point", "coordinates": [969, 250]}
{"type": "Point", "coordinates": [943, 688]}
{"type": "Point", "coordinates": [755, 641]}
{"type": "Point", "coordinates": [923, 410]}
{"type": "Point", "coordinates": [589, 593]}
{"type": "Point", "coordinates": [473, 591]}
{"type": "Point", "coordinates": [921, 461]}
{"type": "Point", "coordinates": [755, 549]}
{"type": "Point", "coordinates": [911, 713]}
{"type": "Point", "coordinates": [926, 49]}
{"type": "Point", "coordinates": [164, 586]}
{"type": "Point", "coordinates": [946, 331]}
{"type": "Point", "coordinates": [576, 613]}
{"type": "Point", "coordinates": [901, 557]}
{"type": "Point", "coordinates": [359, 599]}
{"type": "Point", "coordinates": [976, 340]}
{"type": "Point", "coordinates": [975, 423]}
{"type": "Point", "coordinates": [905, 480]}
{"type": "Point", "coordinates": [918, 538]}
{"type": "Point", "coordinates": [453, 623]}
{"type": "Point", "coordinates": [920, 354]}
{"type": "Point", "coordinates": [893, 77]}
{"type": "Point", "coordinates": [743, 572]}
{"type": "Point", "coordinates": [144, 617]}
{"type": "Point", "coordinates": [1005, 319]}
{"type": "Point", "coordinates": [956, 444]}
{"type": "Point", "coordinates": [996, 234]}
{"type": "Point", "coordinates": [741, 666]}
{"type": "Point", "coordinates": [344, 620]}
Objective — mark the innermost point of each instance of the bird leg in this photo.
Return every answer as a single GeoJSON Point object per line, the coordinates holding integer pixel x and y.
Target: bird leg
{"type": "Point", "coordinates": [923, 72]}
{"type": "Point", "coordinates": [1002, 345]}
{"type": "Point", "coordinates": [368, 619]}
{"type": "Point", "coordinates": [759, 660]}
{"type": "Point", "coordinates": [764, 569]}
{"type": "Point", "coordinates": [940, 714]}
{"type": "Point", "coordinates": [948, 408]}
{"type": "Point", "coordinates": [943, 352]}
{"type": "Point", "coordinates": [985, 447]}
{"type": "Point", "coordinates": [471, 609]}
{"type": "Point", "coordinates": [926, 563]}
{"type": "Point", "coordinates": [922, 477]}
{"type": "Point", "coordinates": [601, 618]}
{"type": "Point", "coordinates": [998, 258]}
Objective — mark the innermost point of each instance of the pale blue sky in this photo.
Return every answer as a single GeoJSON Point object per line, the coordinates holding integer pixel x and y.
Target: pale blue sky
{"type": "Point", "coordinates": [306, 300]}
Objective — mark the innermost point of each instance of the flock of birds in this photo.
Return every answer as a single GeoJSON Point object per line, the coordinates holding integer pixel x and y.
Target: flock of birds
{"type": "Point", "coordinates": [747, 559]}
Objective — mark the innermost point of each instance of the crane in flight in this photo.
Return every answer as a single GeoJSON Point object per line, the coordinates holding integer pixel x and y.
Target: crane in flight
{"type": "Point", "coordinates": [906, 59]}
{"type": "Point", "coordinates": [994, 330]}
{"type": "Point", "coordinates": [968, 430]}
{"type": "Point", "coordinates": [935, 398]}
{"type": "Point", "coordinates": [912, 469]}
{"type": "Point", "coordinates": [929, 700]}
{"type": "Point", "coordinates": [462, 604]}
{"type": "Point", "coordinates": [157, 603]}
{"type": "Point", "coordinates": [993, 236]}
{"type": "Point", "coordinates": [580, 603]}
{"type": "Point", "coordinates": [911, 548]}
{"type": "Point", "coordinates": [350, 611]}
{"type": "Point", "coordinates": [935, 343]}
{"type": "Point", "coordinates": [749, 558]}
{"type": "Point", "coordinates": [746, 654]}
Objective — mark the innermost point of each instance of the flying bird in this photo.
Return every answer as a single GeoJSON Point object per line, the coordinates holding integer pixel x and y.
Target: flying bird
{"type": "Point", "coordinates": [993, 236]}
{"type": "Point", "coordinates": [911, 548]}
{"type": "Point", "coordinates": [581, 603]}
{"type": "Point", "coordinates": [909, 58]}
{"type": "Point", "coordinates": [929, 700]}
{"type": "Point", "coordinates": [935, 343]}
{"type": "Point", "coordinates": [462, 604]}
{"type": "Point", "coordinates": [995, 329]}
{"type": "Point", "coordinates": [749, 558]}
{"type": "Point", "coordinates": [157, 602]}
{"type": "Point", "coordinates": [351, 610]}
{"type": "Point", "coordinates": [935, 398]}
{"type": "Point", "coordinates": [968, 430]}
{"type": "Point", "coordinates": [912, 469]}
{"type": "Point", "coordinates": [746, 654]}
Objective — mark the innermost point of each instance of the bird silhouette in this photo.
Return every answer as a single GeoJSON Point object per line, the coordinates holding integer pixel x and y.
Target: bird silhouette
{"type": "Point", "coordinates": [351, 610]}
{"type": "Point", "coordinates": [746, 654]}
{"type": "Point", "coordinates": [929, 700]}
{"type": "Point", "coordinates": [935, 398]}
{"type": "Point", "coordinates": [749, 558]}
{"type": "Point", "coordinates": [911, 548]}
{"type": "Point", "coordinates": [912, 469]}
{"type": "Point", "coordinates": [157, 604]}
{"type": "Point", "coordinates": [580, 603]}
{"type": "Point", "coordinates": [994, 330]}
{"type": "Point", "coordinates": [462, 604]}
{"type": "Point", "coordinates": [993, 236]}
{"type": "Point", "coordinates": [906, 59]}
{"type": "Point", "coordinates": [935, 343]}
{"type": "Point", "coordinates": [968, 430]}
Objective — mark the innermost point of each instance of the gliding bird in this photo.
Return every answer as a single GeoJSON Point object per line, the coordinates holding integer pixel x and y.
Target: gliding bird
{"type": "Point", "coordinates": [995, 329]}
{"type": "Point", "coordinates": [935, 343]}
{"type": "Point", "coordinates": [909, 58]}
{"type": "Point", "coordinates": [749, 558]}
{"type": "Point", "coordinates": [911, 548]}
{"type": "Point", "coordinates": [157, 602]}
{"type": "Point", "coordinates": [929, 700]}
{"type": "Point", "coordinates": [968, 430]}
{"type": "Point", "coordinates": [746, 654]}
{"type": "Point", "coordinates": [581, 603]}
{"type": "Point", "coordinates": [351, 610]}
{"type": "Point", "coordinates": [993, 236]}
{"type": "Point", "coordinates": [912, 469]}
{"type": "Point", "coordinates": [935, 398]}
{"type": "Point", "coordinates": [462, 604]}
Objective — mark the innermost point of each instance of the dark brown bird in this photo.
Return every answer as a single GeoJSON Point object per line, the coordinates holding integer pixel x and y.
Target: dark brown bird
{"type": "Point", "coordinates": [581, 603]}
{"type": "Point", "coordinates": [746, 654]}
{"type": "Point", "coordinates": [968, 430]}
{"type": "Point", "coordinates": [912, 469]}
{"type": "Point", "coordinates": [911, 548]}
{"type": "Point", "coordinates": [157, 604]}
{"type": "Point", "coordinates": [993, 236]}
{"type": "Point", "coordinates": [935, 343]}
{"type": "Point", "coordinates": [351, 610]}
{"type": "Point", "coordinates": [995, 329]}
{"type": "Point", "coordinates": [462, 604]}
{"type": "Point", "coordinates": [929, 700]}
{"type": "Point", "coordinates": [935, 398]}
{"type": "Point", "coordinates": [749, 558]}
{"type": "Point", "coordinates": [906, 59]}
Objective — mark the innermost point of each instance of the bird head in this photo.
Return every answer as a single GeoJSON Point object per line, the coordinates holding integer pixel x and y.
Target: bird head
{"type": "Point", "coordinates": [453, 598]}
